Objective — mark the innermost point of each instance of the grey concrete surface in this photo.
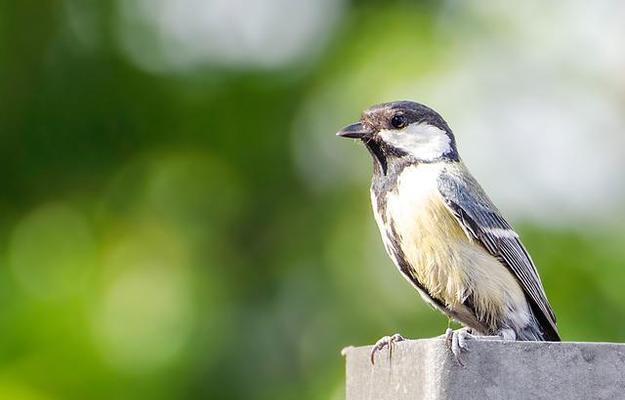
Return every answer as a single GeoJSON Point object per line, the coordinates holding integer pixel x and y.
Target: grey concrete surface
{"type": "Point", "coordinates": [425, 369]}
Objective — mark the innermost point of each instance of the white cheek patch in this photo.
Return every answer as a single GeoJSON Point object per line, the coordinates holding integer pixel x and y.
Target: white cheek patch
{"type": "Point", "coordinates": [423, 141]}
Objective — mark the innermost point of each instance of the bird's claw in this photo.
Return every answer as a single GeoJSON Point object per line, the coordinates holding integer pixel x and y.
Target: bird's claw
{"type": "Point", "coordinates": [456, 341]}
{"type": "Point", "coordinates": [386, 341]}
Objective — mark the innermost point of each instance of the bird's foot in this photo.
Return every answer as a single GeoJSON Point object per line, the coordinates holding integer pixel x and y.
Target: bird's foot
{"type": "Point", "coordinates": [386, 341]}
{"type": "Point", "coordinates": [456, 342]}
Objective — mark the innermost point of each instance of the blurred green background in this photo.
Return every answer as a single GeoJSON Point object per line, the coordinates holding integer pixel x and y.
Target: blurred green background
{"type": "Point", "coordinates": [178, 220]}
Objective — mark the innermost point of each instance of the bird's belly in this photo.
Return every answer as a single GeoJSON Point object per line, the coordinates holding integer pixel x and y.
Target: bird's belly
{"type": "Point", "coordinates": [429, 246]}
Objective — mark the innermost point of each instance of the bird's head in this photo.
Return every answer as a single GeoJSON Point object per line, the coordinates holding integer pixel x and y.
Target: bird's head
{"type": "Point", "coordinates": [403, 131]}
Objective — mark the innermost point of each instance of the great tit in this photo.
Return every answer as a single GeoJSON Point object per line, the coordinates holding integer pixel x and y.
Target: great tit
{"type": "Point", "coordinates": [444, 234]}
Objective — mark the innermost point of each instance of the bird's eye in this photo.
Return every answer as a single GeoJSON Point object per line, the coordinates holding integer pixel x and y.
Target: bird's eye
{"type": "Point", "coordinates": [399, 121]}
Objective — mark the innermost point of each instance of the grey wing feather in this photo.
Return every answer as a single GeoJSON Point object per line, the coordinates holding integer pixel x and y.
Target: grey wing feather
{"type": "Point", "coordinates": [482, 221]}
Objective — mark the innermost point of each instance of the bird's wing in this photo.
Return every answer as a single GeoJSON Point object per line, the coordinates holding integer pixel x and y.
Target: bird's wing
{"type": "Point", "coordinates": [481, 220]}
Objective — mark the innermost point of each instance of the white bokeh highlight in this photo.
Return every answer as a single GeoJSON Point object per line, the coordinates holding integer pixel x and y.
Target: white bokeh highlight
{"type": "Point", "coordinates": [185, 34]}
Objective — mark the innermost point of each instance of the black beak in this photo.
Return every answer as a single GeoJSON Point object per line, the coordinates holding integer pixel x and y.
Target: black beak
{"type": "Point", "coordinates": [355, 131]}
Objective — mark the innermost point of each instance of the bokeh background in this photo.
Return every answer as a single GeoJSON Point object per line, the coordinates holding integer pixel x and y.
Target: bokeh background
{"type": "Point", "coordinates": [178, 220]}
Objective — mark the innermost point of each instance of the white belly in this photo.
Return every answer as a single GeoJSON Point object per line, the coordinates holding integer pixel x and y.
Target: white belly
{"type": "Point", "coordinates": [443, 258]}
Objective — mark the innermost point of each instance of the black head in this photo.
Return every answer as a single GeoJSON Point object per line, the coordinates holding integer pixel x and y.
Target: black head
{"type": "Point", "coordinates": [403, 131]}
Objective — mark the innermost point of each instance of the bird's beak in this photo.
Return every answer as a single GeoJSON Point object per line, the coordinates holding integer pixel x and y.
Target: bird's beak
{"type": "Point", "coordinates": [355, 131]}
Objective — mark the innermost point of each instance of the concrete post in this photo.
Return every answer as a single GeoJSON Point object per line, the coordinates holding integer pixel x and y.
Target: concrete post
{"type": "Point", "coordinates": [425, 369]}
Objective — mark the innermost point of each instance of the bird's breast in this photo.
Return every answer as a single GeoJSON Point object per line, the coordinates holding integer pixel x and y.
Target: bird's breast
{"type": "Point", "coordinates": [429, 246]}
{"type": "Point", "coordinates": [420, 232]}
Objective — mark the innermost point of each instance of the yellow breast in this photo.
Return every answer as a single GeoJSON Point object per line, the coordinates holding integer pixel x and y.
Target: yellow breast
{"type": "Point", "coordinates": [443, 258]}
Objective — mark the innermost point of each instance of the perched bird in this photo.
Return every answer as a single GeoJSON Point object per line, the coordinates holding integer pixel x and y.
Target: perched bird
{"type": "Point", "coordinates": [444, 234]}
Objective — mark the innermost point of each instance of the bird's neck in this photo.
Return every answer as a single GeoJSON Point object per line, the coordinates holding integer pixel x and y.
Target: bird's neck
{"type": "Point", "coordinates": [385, 176]}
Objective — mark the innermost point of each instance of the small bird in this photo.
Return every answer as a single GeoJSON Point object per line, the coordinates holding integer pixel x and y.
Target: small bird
{"type": "Point", "coordinates": [444, 234]}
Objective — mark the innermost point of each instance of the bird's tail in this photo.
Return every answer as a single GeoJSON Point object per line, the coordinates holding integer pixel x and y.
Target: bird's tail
{"type": "Point", "coordinates": [539, 329]}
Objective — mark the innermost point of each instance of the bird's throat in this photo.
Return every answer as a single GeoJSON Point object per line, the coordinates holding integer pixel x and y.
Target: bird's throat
{"type": "Point", "coordinates": [379, 155]}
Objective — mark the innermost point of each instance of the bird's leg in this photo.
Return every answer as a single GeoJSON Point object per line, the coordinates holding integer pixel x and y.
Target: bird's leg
{"type": "Point", "coordinates": [456, 341]}
{"type": "Point", "coordinates": [386, 341]}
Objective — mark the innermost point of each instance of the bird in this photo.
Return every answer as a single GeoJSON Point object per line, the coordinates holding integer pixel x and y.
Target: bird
{"type": "Point", "coordinates": [444, 234]}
